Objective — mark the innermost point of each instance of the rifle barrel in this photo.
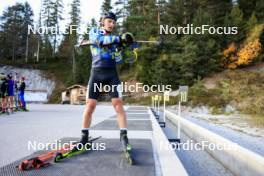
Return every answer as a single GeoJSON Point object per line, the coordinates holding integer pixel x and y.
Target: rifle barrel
{"type": "Point", "coordinates": [146, 41]}
{"type": "Point", "coordinates": [139, 41]}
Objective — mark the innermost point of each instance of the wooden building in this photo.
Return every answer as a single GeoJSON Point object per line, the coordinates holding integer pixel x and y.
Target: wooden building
{"type": "Point", "coordinates": [75, 94]}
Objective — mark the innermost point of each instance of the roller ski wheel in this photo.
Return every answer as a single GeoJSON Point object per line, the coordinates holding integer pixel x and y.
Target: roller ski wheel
{"type": "Point", "coordinates": [58, 157]}
{"type": "Point", "coordinates": [128, 155]}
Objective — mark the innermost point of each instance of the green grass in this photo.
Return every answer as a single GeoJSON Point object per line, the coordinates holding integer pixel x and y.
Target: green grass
{"type": "Point", "coordinates": [146, 101]}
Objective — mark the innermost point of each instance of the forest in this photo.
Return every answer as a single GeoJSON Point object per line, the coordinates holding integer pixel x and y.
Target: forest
{"type": "Point", "coordinates": [177, 59]}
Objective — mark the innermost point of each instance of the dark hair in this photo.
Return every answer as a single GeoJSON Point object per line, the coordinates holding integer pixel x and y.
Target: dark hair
{"type": "Point", "coordinates": [9, 76]}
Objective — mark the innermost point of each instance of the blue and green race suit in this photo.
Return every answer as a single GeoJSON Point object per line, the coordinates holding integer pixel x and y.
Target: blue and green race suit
{"type": "Point", "coordinates": [104, 48]}
{"type": "Point", "coordinates": [105, 55]}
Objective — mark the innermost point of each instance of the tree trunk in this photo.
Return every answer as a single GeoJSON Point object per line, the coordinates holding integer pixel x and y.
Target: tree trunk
{"type": "Point", "coordinates": [27, 50]}
{"type": "Point", "coordinates": [38, 51]}
{"type": "Point", "coordinates": [73, 64]}
{"type": "Point", "coordinates": [13, 52]}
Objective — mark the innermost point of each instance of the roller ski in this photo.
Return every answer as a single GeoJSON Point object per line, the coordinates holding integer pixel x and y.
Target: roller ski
{"type": "Point", "coordinates": [78, 149]}
{"type": "Point", "coordinates": [40, 161]}
{"type": "Point", "coordinates": [126, 147]}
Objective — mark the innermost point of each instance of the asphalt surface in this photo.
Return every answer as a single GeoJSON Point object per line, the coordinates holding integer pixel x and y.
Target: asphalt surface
{"type": "Point", "coordinates": [42, 124]}
{"type": "Point", "coordinates": [45, 124]}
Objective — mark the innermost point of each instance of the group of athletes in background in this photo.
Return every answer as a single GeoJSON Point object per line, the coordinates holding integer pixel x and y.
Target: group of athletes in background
{"type": "Point", "coordinates": [12, 90]}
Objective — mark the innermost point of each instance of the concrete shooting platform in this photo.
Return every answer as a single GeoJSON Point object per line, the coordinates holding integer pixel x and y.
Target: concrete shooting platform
{"type": "Point", "coordinates": [144, 134]}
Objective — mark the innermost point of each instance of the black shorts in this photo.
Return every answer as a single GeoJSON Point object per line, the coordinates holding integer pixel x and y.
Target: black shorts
{"type": "Point", "coordinates": [103, 80]}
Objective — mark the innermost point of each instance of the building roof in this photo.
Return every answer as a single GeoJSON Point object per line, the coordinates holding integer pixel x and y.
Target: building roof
{"type": "Point", "coordinates": [75, 86]}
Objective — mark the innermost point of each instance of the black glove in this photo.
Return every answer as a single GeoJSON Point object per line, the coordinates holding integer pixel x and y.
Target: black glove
{"type": "Point", "coordinates": [127, 38]}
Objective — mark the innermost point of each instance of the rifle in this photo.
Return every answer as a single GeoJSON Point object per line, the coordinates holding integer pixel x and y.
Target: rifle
{"type": "Point", "coordinates": [88, 42]}
{"type": "Point", "coordinates": [134, 46]}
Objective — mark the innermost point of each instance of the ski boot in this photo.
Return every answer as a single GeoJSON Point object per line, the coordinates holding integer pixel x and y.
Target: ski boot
{"type": "Point", "coordinates": [127, 148]}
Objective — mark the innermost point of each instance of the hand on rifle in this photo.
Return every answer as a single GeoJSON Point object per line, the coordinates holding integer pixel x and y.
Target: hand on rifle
{"type": "Point", "coordinates": [127, 38]}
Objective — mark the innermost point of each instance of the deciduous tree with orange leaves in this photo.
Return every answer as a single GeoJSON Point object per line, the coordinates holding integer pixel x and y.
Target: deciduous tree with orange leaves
{"type": "Point", "coordinates": [235, 56]}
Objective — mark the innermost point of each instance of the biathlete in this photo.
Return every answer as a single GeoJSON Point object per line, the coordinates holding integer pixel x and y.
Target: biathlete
{"type": "Point", "coordinates": [105, 56]}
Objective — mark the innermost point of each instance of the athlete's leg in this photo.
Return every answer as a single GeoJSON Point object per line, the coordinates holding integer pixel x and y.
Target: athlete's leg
{"type": "Point", "coordinates": [116, 95]}
{"type": "Point", "coordinates": [117, 102]}
{"type": "Point", "coordinates": [88, 111]}
{"type": "Point", "coordinates": [121, 115]}
{"type": "Point", "coordinates": [16, 101]}
{"type": "Point", "coordinates": [122, 122]}
{"type": "Point", "coordinates": [10, 98]}
{"type": "Point", "coordinates": [87, 119]}
{"type": "Point", "coordinates": [91, 100]}
{"type": "Point", "coordinates": [5, 104]}
{"type": "Point", "coordinates": [22, 99]}
{"type": "Point", "coordinates": [12, 103]}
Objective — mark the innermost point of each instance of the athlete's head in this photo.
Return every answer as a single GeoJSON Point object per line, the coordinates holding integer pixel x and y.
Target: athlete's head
{"type": "Point", "coordinates": [9, 76]}
{"type": "Point", "coordinates": [108, 21]}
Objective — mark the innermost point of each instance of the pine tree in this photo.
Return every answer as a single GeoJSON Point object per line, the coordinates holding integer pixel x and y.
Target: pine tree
{"type": "Point", "coordinates": [71, 37]}
{"type": "Point", "coordinates": [216, 8]}
{"type": "Point", "coordinates": [15, 21]}
{"type": "Point", "coordinates": [247, 7]}
{"type": "Point", "coordinates": [39, 37]}
{"type": "Point", "coordinates": [204, 46]}
{"type": "Point", "coordinates": [142, 22]}
{"type": "Point", "coordinates": [56, 16]}
{"type": "Point", "coordinates": [252, 21]}
{"type": "Point", "coordinates": [27, 21]}
{"type": "Point", "coordinates": [27, 18]}
{"type": "Point", "coordinates": [235, 18]}
{"type": "Point", "coordinates": [174, 12]}
{"type": "Point", "coordinates": [259, 10]}
{"type": "Point", "coordinates": [51, 16]}
{"type": "Point", "coordinates": [1, 44]}
{"type": "Point", "coordinates": [83, 60]}
{"type": "Point", "coordinates": [47, 23]}
{"type": "Point", "coordinates": [121, 8]}
{"type": "Point", "coordinates": [93, 23]}
{"type": "Point", "coordinates": [12, 22]}
{"type": "Point", "coordinates": [142, 19]}
{"type": "Point", "coordinates": [121, 12]}
{"type": "Point", "coordinates": [75, 19]}
{"type": "Point", "coordinates": [106, 6]}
